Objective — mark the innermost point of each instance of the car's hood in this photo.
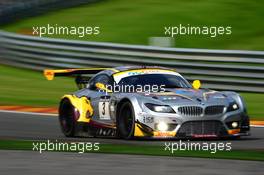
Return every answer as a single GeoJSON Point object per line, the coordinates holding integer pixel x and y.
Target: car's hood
{"type": "Point", "coordinates": [201, 96]}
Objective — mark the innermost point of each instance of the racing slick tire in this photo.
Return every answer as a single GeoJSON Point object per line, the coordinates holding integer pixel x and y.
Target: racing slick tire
{"type": "Point", "coordinates": [67, 118]}
{"type": "Point", "coordinates": [125, 121]}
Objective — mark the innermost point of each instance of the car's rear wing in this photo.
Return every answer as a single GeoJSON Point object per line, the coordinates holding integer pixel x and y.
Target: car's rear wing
{"type": "Point", "coordinates": [80, 80]}
{"type": "Point", "coordinates": [50, 74]}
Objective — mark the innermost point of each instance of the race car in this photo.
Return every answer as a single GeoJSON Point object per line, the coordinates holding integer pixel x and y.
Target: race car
{"type": "Point", "coordinates": [149, 102]}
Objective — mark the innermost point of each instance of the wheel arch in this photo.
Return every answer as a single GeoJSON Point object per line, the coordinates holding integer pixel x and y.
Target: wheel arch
{"type": "Point", "coordinates": [82, 104]}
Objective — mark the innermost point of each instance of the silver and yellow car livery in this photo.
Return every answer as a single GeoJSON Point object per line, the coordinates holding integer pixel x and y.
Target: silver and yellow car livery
{"type": "Point", "coordinates": [94, 110]}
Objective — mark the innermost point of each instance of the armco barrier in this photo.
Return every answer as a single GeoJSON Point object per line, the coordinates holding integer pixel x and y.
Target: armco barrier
{"type": "Point", "coordinates": [217, 69]}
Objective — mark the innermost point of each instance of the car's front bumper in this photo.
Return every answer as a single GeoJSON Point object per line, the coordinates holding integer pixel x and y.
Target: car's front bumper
{"type": "Point", "coordinates": [193, 127]}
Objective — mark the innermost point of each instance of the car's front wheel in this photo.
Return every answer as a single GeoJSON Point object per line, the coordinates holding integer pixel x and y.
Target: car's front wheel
{"type": "Point", "coordinates": [126, 121]}
{"type": "Point", "coordinates": [67, 118]}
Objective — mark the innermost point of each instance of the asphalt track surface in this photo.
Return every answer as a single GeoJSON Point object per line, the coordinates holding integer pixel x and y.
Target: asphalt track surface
{"type": "Point", "coordinates": [29, 162]}
{"type": "Point", "coordinates": [42, 127]}
{"type": "Point", "coordinates": [19, 126]}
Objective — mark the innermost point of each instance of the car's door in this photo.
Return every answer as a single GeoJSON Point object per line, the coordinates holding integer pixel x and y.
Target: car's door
{"type": "Point", "coordinates": [100, 99]}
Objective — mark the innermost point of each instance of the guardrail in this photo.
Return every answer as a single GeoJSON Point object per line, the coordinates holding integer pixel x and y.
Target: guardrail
{"type": "Point", "coordinates": [217, 69]}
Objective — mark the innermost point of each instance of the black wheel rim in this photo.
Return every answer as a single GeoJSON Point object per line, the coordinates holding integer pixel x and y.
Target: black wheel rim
{"type": "Point", "coordinates": [66, 123]}
{"type": "Point", "coordinates": [66, 117]}
{"type": "Point", "coordinates": [126, 121]}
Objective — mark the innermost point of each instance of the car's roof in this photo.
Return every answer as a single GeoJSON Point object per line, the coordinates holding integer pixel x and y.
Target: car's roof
{"type": "Point", "coordinates": [127, 68]}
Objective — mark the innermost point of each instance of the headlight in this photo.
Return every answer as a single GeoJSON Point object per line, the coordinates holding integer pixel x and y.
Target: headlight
{"type": "Point", "coordinates": [234, 124]}
{"type": "Point", "coordinates": [232, 107]}
{"type": "Point", "coordinates": [162, 126]}
{"type": "Point", "coordinates": [159, 108]}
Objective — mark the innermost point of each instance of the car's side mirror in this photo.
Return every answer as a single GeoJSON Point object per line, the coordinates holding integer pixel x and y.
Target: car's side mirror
{"type": "Point", "coordinates": [196, 84]}
{"type": "Point", "coordinates": [101, 86]}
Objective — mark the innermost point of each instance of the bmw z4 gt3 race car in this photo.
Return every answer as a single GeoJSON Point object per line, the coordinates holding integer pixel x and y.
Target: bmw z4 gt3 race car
{"type": "Point", "coordinates": [152, 102]}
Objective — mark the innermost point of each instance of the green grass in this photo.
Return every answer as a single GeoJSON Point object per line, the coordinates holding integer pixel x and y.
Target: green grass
{"type": "Point", "coordinates": [26, 87]}
{"type": "Point", "coordinates": [124, 21]}
{"type": "Point", "coordinates": [151, 150]}
{"type": "Point", "coordinates": [255, 103]}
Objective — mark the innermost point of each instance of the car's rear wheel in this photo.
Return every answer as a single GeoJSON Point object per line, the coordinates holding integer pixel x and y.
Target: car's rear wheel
{"type": "Point", "coordinates": [67, 118]}
{"type": "Point", "coordinates": [126, 121]}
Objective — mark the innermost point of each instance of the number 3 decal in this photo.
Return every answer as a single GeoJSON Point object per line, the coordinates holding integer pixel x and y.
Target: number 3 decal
{"type": "Point", "coordinates": [104, 113]}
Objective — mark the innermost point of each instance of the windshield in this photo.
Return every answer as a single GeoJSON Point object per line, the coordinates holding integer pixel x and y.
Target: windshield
{"type": "Point", "coordinates": [165, 80]}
